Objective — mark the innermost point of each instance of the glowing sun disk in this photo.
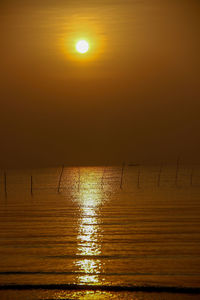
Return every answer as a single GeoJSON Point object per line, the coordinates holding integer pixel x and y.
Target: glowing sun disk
{"type": "Point", "coordinates": [82, 46]}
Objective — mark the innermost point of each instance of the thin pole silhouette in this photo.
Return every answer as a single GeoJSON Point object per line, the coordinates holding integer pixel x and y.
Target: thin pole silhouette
{"type": "Point", "coordinates": [191, 177]}
{"type": "Point", "coordinates": [177, 170]}
{"type": "Point", "coordinates": [31, 185]}
{"type": "Point", "coordinates": [122, 173]}
{"type": "Point", "coordinates": [159, 175]}
{"type": "Point", "coordinates": [60, 178]}
{"type": "Point", "coordinates": [5, 184]}
{"type": "Point", "coordinates": [102, 178]}
{"type": "Point", "coordinates": [138, 178]}
{"type": "Point", "coordinates": [79, 178]}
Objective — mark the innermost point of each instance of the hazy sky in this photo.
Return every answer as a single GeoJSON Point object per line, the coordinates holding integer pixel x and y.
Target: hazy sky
{"type": "Point", "coordinates": [135, 96]}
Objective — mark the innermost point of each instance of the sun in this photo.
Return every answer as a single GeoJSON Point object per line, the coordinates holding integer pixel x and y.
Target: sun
{"type": "Point", "coordinates": [82, 46]}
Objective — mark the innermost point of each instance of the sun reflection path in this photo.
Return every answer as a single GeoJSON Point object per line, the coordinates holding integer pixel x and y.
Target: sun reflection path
{"type": "Point", "coordinates": [89, 229]}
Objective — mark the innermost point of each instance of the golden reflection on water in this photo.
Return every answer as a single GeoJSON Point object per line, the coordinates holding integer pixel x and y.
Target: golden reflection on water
{"type": "Point", "coordinates": [89, 228]}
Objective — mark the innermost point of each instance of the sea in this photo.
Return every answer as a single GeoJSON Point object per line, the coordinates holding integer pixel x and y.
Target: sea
{"type": "Point", "coordinates": [101, 232]}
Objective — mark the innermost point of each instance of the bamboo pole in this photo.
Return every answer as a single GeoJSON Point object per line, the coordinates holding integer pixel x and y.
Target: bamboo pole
{"type": "Point", "coordinates": [138, 178]}
{"type": "Point", "coordinates": [191, 177]}
{"type": "Point", "coordinates": [5, 184]}
{"type": "Point", "coordinates": [102, 178]}
{"type": "Point", "coordinates": [159, 175]}
{"type": "Point", "coordinates": [60, 179]}
{"type": "Point", "coordinates": [122, 173]}
{"type": "Point", "coordinates": [31, 185]}
{"type": "Point", "coordinates": [177, 170]}
{"type": "Point", "coordinates": [79, 179]}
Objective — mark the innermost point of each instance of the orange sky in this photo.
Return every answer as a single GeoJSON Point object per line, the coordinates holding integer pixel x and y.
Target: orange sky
{"type": "Point", "coordinates": [135, 96]}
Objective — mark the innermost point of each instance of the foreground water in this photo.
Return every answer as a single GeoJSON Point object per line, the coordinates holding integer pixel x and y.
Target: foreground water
{"type": "Point", "coordinates": [100, 226]}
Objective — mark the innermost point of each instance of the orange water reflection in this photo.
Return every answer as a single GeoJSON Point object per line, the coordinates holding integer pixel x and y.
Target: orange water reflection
{"type": "Point", "coordinates": [89, 228]}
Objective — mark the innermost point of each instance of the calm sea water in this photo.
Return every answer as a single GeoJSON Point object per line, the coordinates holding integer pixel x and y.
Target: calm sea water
{"type": "Point", "coordinates": [106, 226]}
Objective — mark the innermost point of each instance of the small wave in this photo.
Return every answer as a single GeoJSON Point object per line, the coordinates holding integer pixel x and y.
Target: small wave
{"type": "Point", "coordinates": [91, 274]}
{"type": "Point", "coordinates": [114, 288]}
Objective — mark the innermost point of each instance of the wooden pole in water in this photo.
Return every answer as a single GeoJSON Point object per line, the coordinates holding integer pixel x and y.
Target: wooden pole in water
{"type": "Point", "coordinates": [79, 178]}
{"type": "Point", "coordinates": [31, 185]}
{"type": "Point", "coordinates": [102, 178]}
{"type": "Point", "coordinates": [60, 178]}
{"type": "Point", "coordinates": [122, 173]}
{"type": "Point", "coordinates": [177, 170]}
{"type": "Point", "coordinates": [159, 175]}
{"type": "Point", "coordinates": [138, 179]}
{"type": "Point", "coordinates": [191, 177]}
{"type": "Point", "coordinates": [5, 184]}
